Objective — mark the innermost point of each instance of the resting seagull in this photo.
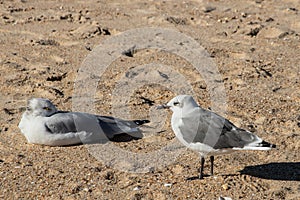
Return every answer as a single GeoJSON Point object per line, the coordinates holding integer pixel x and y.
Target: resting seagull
{"type": "Point", "coordinates": [42, 123]}
{"type": "Point", "coordinates": [207, 132]}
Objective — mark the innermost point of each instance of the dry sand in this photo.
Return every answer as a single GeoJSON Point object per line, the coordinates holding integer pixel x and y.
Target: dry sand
{"type": "Point", "coordinates": [254, 43]}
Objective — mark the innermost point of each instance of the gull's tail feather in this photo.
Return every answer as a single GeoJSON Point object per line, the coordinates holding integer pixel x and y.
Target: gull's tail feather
{"type": "Point", "coordinates": [267, 144]}
{"type": "Point", "coordinates": [114, 126]}
{"type": "Point", "coordinates": [135, 131]}
{"type": "Point", "coordinates": [257, 145]}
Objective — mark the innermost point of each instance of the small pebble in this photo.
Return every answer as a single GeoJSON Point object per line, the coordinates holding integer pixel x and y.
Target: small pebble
{"type": "Point", "coordinates": [225, 198]}
{"type": "Point", "coordinates": [225, 186]}
{"type": "Point", "coordinates": [136, 188]}
{"type": "Point", "coordinates": [208, 9]}
{"type": "Point", "coordinates": [168, 184]}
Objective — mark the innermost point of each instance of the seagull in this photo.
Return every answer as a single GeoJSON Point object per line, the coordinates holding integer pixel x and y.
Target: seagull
{"type": "Point", "coordinates": [42, 123]}
{"type": "Point", "coordinates": [209, 133]}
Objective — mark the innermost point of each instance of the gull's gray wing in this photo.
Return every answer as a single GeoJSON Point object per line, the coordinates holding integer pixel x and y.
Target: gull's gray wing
{"type": "Point", "coordinates": [61, 122]}
{"type": "Point", "coordinates": [65, 122]}
{"type": "Point", "coordinates": [209, 128]}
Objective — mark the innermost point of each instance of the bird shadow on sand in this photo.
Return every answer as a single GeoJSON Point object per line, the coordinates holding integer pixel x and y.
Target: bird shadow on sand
{"type": "Point", "coordinates": [123, 137]}
{"type": "Point", "coordinates": [284, 171]}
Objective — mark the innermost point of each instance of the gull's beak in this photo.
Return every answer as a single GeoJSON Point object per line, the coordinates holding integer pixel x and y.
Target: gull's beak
{"type": "Point", "coordinates": [163, 106]}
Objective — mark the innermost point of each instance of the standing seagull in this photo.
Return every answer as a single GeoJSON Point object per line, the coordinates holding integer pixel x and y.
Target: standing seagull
{"type": "Point", "coordinates": [42, 123]}
{"type": "Point", "coordinates": [207, 132]}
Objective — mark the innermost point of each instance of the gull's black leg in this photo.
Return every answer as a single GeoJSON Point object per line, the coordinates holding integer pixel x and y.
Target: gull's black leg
{"type": "Point", "coordinates": [212, 158]}
{"type": "Point", "coordinates": [202, 160]}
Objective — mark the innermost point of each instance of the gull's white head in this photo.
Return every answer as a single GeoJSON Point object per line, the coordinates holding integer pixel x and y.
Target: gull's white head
{"type": "Point", "coordinates": [181, 102]}
{"type": "Point", "coordinates": [40, 107]}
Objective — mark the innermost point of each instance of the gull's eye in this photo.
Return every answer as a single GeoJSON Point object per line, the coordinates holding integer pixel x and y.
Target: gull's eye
{"type": "Point", "coordinates": [28, 108]}
{"type": "Point", "coordinates": [176, 103]}
{"type": "Point", "coordinates": [46, 108]}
